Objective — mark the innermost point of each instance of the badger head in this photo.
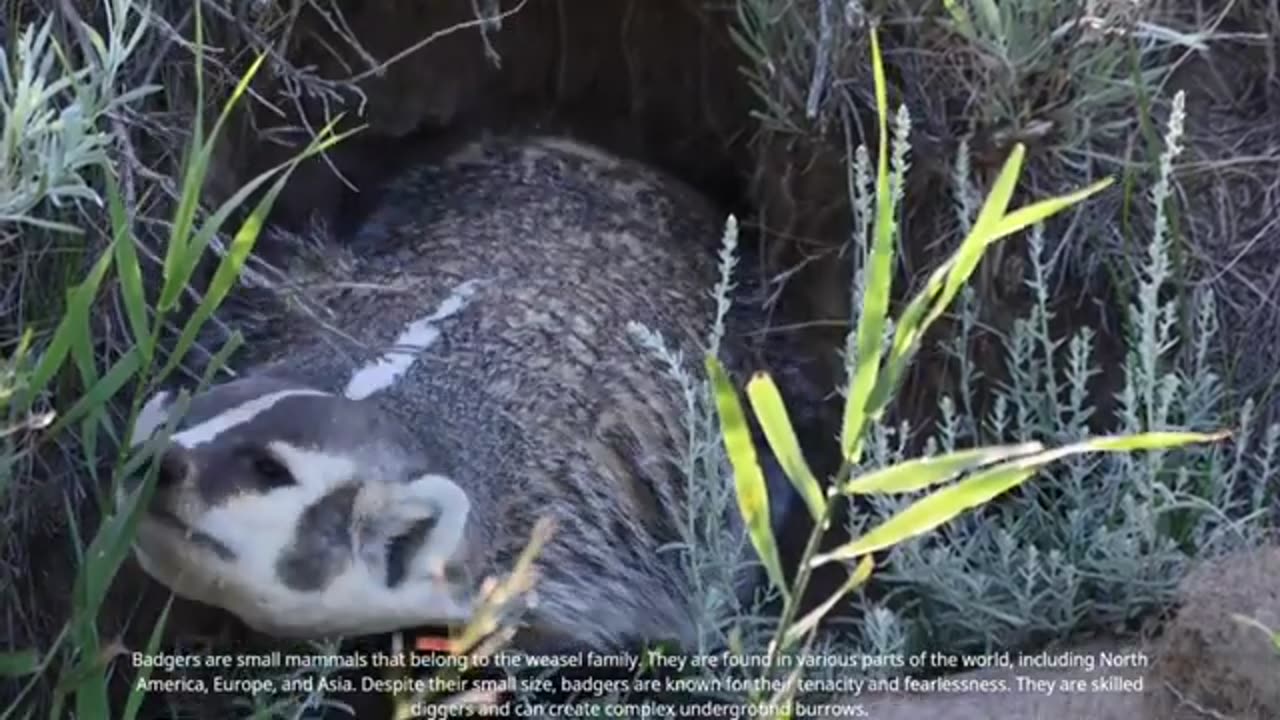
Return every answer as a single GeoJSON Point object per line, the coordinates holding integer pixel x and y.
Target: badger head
{"type": "Point", "coordinates": [303, 513]}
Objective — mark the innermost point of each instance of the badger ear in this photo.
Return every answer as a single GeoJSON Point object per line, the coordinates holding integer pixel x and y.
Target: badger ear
{"type": "Point", "coordinates": [152, 415]}
{"type": "Point", "coordinates": [433, 506]}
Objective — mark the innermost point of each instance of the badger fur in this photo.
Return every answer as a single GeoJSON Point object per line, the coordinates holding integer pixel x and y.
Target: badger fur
{"type": "Point", "coordinates": [475, 375]}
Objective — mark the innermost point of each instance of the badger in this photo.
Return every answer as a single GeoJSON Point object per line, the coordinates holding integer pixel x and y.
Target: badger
{"type": "Point", "coordinates": [476, 373]}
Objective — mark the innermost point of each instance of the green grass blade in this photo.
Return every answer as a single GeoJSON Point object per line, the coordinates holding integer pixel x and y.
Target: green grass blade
{"type": "Point", "coordinates": [103, 558]}
{"type": "Point", "coordinates": [78, 680]}
{"type": "Point", "coordinates": [922, 473]}
{"type": "Point", "coordinates": [102, 391]}
{"type": "Point", "coordinates": [196, 248]}
{"type": "Point", "coordinates": [82, 346]}
{"type": "Point", "coordinates": [879, 279]}
{"type": "Point", "coordinates": [189, 196]}
{"type": "Point", "coordinates": [183, 220]}
{"type": "Point", "coordinates": [80, 307]}
{"type": "Point", "coordinates": [50, 225]}
{"type": "Point", "coordinates": [227, 273]}
{"type": "Point", "coordinates": [190, 259]}
{"type": "Point", "coordinates": [19, 663]}
{"type": "Point", "coordinates": [129, 271]}
{"type": "Point", "coordinates": [1029, 215]}
{"type": "Point", "coordinates": [753, 498]}
{"type": "Point", "coordinates": [907, 338]}
{"type": "Point", "coordinates": [771, 411]}
{"type": "Point", "coordinates": [221, 358]}
{"type": "Point", "coordinates": [90, 687]}
{"type": "Point", "coordinates": [192, 182]}
{"type": "Point", "coordinates": [111, 544]}
{"type": "Point", "coordinates": [140, 460]}
{"type": "Point", "coordinates": [136, 695]}
{"type": "Point", "coordinates": [943, 505]}
{"type": "Point", "coordinates": [1156, 440]}
{"type": "Point", "coordinates": [954, 273]}
{"type": "Point", "coordinates": [76, 316]}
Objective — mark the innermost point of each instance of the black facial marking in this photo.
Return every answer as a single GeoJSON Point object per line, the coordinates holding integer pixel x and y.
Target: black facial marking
{"type": "Point", "coordinates": [322, 544]}
{"type": "Point", "coordinates": [267, 469]}
{"type": "Point", "coordinates": [404, 546]}
{"type": "Point", "coordinates": [238, 460]}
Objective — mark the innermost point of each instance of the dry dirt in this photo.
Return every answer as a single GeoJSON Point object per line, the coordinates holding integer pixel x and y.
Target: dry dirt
{"type": "Point", "coordinates": [1205, 664]}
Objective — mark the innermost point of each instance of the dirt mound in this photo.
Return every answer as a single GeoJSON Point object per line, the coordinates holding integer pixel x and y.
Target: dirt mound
{"type": "Point", "coordinates": [1207, 663]}
{"type": "Point", "coordinates": [1211, 656]}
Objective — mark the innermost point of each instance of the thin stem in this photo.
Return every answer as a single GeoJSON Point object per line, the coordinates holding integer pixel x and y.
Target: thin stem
{"type": "Point", "coordinates": [791, 606]}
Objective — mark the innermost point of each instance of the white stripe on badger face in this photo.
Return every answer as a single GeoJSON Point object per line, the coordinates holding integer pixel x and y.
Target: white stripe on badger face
{"type": "Point", "coordinates": [152, 415]}
{"type": "Point", "coordinates": [414, 339]}
{"type": "Point", "coordinates": [238, 415]}
{"type": "Point", "coordinates": [315, 469]}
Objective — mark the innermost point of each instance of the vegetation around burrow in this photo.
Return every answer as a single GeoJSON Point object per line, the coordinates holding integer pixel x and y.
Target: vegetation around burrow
{"type": "Point", "coordinates": [121, 245]}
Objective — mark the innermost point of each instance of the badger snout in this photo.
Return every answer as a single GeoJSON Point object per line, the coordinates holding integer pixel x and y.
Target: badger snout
{"type": "Point", "coordinates": [175, 468]}
{"type": "Point", "coordinates": [175, 510]}
{"type": "Point", "coordinates": [174, 480]}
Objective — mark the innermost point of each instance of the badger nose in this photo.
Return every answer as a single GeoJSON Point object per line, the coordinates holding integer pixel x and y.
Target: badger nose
{"type": "Point", "coordinates": [172, 468]}
{"type": "Point", "coordinates": [175, 465]}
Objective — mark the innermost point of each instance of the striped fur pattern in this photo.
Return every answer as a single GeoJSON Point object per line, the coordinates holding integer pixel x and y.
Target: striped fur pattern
{"type": "Point", "coordinates": [475, 375]}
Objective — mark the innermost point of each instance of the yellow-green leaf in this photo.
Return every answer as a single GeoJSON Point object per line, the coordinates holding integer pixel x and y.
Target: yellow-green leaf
{"type": "Point", "coordinates": [921, 473]}
{"type": "Point", "coordinates": [753, 498]}
{"type": "Point", "coordinates": [770, 410]}
{"type": "Point", "coordinates": [947, 280]}
{"type": "Point", "coordinates": [930, 512]}
{"type": "Point", "coordinates": [993, 210]}
{"type": "Point", "coordinates": [815, 616]}
{"type": "Point", "coordinates": [943, 505]}
{"type": "Point", "coordinates": [879, 281]}
{"type": "Point", "coordinates": [1156, 440]}
{"type": "Point", "coordinates": [1029, 215]}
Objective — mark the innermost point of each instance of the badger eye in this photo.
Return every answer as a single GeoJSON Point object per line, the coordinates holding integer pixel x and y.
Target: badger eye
{"type": "Point", "coordinates": [270, 471]}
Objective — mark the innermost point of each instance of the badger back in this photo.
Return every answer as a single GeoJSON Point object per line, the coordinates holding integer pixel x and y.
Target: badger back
{"type": "Point", "coordinates": [487, 304]}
